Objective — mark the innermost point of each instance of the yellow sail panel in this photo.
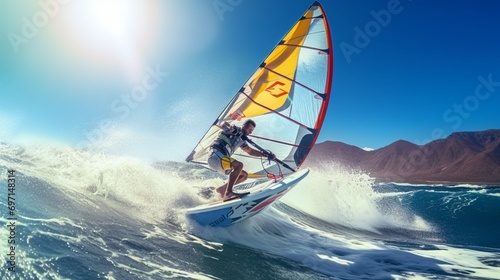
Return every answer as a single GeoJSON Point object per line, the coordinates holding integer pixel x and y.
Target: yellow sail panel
{"type": "Point", "coordinates": [269, 90]}
{"type": "Point", "coordinates": [265, 92]}
{"type": "Point", "coordinates": [300, 30]}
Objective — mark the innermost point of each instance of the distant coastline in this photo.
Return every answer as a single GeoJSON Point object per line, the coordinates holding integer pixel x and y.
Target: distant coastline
{"type": "Point", "coordinates": [444, 183]}
{"type": "Point", "coordinates": [461, 158]}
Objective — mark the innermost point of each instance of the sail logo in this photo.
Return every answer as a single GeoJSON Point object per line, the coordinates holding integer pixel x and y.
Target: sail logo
{"type": "Point", "coordinates": [276, 92]}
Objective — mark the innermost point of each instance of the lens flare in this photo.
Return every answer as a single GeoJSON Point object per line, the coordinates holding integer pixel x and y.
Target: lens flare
{"type": "Point", "coordinates": [110, 32]}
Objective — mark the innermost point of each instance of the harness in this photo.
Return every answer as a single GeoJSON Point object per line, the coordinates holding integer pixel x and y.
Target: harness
{"type": "Point", "coordinates": [225, 143]}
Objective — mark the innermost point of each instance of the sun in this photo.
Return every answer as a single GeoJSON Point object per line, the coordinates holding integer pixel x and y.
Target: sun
{"type": "Point", "coordinates": [111, 18]}
{"type": "Point", "coordinates": [111, 33]}
{"type": "Point", "coordinates": [122, 36]}
{"type": "Point", "coordinates": [108, 20]}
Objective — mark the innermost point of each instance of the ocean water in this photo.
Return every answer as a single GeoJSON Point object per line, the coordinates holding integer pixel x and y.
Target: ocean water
{"type": "Point", "coordinates": [82, 215]}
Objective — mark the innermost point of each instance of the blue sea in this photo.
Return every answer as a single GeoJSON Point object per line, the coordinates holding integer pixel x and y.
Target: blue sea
{"type": "Point", "coordinates": [84, 215]}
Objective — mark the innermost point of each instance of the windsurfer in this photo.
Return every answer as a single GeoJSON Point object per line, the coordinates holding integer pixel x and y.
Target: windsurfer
{"type": "Point", "coordinates": [230, 139]}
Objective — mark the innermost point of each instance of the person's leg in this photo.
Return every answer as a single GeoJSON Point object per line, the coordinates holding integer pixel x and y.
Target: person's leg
{"type": "Point", "coordinates": [222, 189]}
{"type": "Point", "coordinates": [235, 176]}
{"type": "Point", "coordinates": [243, 176]}
{"type": "Point", "coordinates": [225, 164]}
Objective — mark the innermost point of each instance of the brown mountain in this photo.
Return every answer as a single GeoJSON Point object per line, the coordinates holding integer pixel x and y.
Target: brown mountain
{"type": "Point", "coordinates": [463, 157]}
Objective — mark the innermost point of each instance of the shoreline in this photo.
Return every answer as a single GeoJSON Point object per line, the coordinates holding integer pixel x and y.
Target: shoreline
{"type": "Point", "coordinates": [439, 182]}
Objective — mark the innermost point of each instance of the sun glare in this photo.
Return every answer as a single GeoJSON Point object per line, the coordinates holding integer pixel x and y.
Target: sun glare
{"type": "Point", "coordinates": [111, 17]}
{"type": "Point", "coordinates": [104, 22]}
{"type": "Point", "coordinates": [109, 36]}
{"type": "Point", "coordinates": [111, 32]}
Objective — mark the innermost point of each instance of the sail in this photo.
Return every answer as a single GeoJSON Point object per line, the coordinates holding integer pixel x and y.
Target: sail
{"type": "Point", "coordinates": [287, 97]}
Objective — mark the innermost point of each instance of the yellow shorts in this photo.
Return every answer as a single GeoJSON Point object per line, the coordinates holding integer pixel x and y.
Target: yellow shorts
{"type": "Point", "coordinates": [226, 162]}
{"type": "Point", "coordinates": [220, 163]}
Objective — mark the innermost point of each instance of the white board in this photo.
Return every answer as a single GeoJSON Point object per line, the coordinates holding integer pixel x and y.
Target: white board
{"type": "Point", "coordinates": [226, 213]}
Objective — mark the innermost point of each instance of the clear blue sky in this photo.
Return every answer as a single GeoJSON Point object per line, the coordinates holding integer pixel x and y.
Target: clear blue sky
{"type": "Point", "coordinates": [146, 78]}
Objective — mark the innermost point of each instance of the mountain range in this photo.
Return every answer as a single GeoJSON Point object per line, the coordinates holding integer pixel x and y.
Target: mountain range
{"type": "Point", "coordinates": [461, 158]}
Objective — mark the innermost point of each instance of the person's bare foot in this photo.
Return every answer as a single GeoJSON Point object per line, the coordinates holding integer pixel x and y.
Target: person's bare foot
{"type": "Point", "coordinates": [230, 196]}
{"type": "Point", "coordinates": [221, 190]}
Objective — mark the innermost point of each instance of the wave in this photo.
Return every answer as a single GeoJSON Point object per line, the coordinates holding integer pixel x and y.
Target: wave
{"type": "Point", "coordinates": [158, 192]}
{"type": "Point", "coordinates": [140, 190]}
{"type": "Point", "coordinates": [346, 197]}
{"type": "Point", "coordinates": [346, 255]}
{"type": "Point", "coordinates": [333, 222]}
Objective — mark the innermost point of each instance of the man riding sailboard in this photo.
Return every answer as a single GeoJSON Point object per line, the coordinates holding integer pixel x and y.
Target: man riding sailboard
{"type": "Point", "coordinates": [287, 96]}
{"type": "Point", "coordinates": [229, 140]}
